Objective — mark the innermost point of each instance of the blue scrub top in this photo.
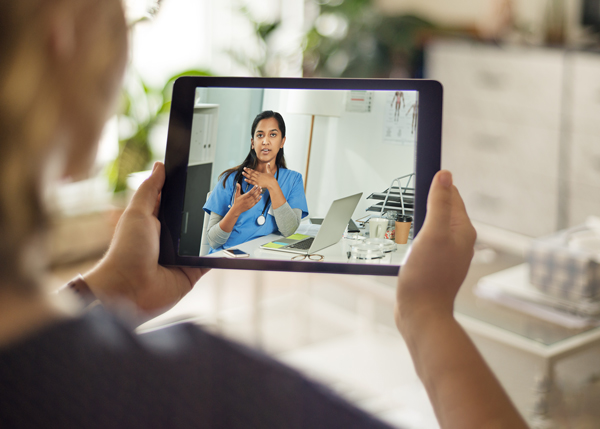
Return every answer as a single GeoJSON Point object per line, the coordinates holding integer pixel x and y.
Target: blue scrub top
{"type": "Point", "coordinates": [246, 228]}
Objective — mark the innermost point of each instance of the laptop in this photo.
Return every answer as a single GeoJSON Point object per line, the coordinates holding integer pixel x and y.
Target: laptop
{"type": "Point", "coordinates": [330, 232]}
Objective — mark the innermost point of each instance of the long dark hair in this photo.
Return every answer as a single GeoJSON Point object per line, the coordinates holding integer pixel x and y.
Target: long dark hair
{"type": "Point", "coordinates": [251, 160]}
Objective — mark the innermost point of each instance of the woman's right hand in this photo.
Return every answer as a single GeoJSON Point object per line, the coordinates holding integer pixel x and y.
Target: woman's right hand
{"type": "Point", "coordinates": [243, 202]}
{"type": "Point", "coordinates": [463, 390]}
{"type": "Point", "coordinates": [439, 258]}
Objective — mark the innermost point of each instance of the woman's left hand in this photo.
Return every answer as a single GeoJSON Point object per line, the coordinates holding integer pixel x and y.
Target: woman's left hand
{"type": "Point", "coordinates": [130, 270]}
{"type": "Point", "coordinates": [264, 180]}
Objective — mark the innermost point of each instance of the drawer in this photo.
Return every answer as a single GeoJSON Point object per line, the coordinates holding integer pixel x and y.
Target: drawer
{"type": "Point", "coordinates": [524, 78]}
{"type": "Point", "coordinates": [447, 64]}
{"type": "Point", "coordinates": [585, 69]}
{"type": "Point", "coordinates": [583, 201]}
{"type": "Point", "coordinates": [489, 109]}
{"type": "Point", "coordinates": [492, 143]}
{"type": "Point", "coordinates": [585, 159]}
{"type": "Point", "coordinates": [515, 200]}
{"type": "Point", "coordinates": [583, 122]}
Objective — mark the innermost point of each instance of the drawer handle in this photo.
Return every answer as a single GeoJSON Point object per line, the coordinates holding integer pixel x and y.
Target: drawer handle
{"type": "Point", "coordinates": [491, 80]}
{"type": "Point", "coordinates": [595, 161]}
{"type": "Point", "coordinates": [488, 142]}
{"type": "Point", "coordinates": [487, 202]}
{"type": "Point", "coordinates": [184, 222]}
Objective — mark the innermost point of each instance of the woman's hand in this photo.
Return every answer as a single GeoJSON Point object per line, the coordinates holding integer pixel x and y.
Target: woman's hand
{"type": "Point", "coordinates": [130, 271]}
{"type": "Point", "coordinates": [463, 390]}
{"type": "Point", "coordinates": [241, 203]}
{"type": "Point", "coordinates": [268, 181]}
{"type": "Point", "coordinates": [264, 180]}
{"type": "Point", "coordinates": [244, 202]}
{"type": "Point", "coordinates": [439, 258]}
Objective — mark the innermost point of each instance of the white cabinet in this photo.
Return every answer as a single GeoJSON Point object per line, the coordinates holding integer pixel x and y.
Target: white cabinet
{"type": "Point", "coordinates": [501, 138]}
{"type": "Point", "coordinates": [203, 142]}
{"type": "Point", "coordinates": [582, 137]}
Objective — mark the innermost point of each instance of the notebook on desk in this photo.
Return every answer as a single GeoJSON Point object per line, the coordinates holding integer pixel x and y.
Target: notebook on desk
{"type": "Point", "coordinates": [331, 230]}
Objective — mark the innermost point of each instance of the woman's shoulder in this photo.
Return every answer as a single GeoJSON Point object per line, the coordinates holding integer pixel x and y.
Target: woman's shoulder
{"type": "Point", "coordinates": [226, 178]}
{"type": "Point", "coordinates": [290, 174]}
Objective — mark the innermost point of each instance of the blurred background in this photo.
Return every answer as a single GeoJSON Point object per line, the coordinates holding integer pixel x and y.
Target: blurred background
{"type": "Point", "coordinates": [521, 109]}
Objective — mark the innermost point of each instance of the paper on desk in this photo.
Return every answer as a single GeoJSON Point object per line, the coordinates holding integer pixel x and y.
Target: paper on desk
{"type": "Point", "coordinates": [298, 237]}
{"type": "Point", "coordinates": [274, 245]}
{"type": "Point", "coordinates": [308, 229]}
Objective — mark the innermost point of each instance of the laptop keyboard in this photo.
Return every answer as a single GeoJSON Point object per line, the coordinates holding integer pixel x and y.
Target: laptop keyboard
{"type": "Point", "coordinates": [302, 245]}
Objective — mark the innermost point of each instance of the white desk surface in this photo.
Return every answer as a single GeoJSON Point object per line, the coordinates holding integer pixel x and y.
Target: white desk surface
{"type": "Point", "coordinates": [335, 253]}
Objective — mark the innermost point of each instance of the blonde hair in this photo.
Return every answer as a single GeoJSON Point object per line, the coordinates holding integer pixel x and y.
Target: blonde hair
{"type": "Point", "coordinates": [33, 88]}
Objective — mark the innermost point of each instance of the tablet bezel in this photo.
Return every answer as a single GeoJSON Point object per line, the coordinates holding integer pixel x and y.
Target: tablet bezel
{"type": "Point", "coordinates": [427, 153]}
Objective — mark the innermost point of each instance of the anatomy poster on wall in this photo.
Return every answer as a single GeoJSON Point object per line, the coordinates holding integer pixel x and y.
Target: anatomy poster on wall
{"type": "Point", "coordinates": [400, 123]}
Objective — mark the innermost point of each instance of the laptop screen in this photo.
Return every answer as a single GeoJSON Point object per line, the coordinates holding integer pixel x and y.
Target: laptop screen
{"type": "Point", "coordinates": [299, 150]}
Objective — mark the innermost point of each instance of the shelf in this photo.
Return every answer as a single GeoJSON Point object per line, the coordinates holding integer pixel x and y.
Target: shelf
{"type": "Point", "coordinates": [408, 199]}
{"type": "Point", "coordinates": [389, 207]}
{"type": "Point", "coordinates": [395, 198]}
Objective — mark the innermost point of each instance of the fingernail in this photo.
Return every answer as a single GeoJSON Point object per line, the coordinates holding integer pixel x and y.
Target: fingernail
{"type": "Point", "coordinates": [154, 167]}
{"type": "Point", "coordinates": [445, 178]}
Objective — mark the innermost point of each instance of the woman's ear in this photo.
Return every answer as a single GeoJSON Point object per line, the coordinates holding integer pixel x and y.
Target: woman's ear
{"type": "Point", "coordinates": [283, 142]}
{"type": "Point", "coordinates": [251, 143]}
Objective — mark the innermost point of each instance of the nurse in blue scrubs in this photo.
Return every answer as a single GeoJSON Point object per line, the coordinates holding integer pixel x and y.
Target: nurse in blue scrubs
{"type": "Point", "coordinates": [260, 196]}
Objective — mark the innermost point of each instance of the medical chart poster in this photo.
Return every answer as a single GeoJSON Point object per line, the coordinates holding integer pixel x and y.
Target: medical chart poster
{"type": "Point", "coordinates": [400, 121]}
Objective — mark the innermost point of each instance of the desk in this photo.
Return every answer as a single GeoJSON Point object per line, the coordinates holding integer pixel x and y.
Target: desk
{"type": "Point", "coordinates": [336, 253]}
{"type": "Point", "coordinates": [545, 345]}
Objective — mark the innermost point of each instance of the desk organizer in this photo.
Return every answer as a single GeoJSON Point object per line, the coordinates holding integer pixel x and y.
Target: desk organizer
{"type": "Point", "coordinates": [395, 199]}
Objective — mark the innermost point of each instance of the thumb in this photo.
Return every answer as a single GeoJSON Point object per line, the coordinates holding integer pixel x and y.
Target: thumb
{"type": "Point", "coordinates": [439, 201]}
{"type": "Point", "coordinates": [146, 195]}
{"type": "Point", "coordinates": [238, 190]}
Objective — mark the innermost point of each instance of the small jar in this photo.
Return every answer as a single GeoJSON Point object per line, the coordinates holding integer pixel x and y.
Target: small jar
{"type": "Point", "coordinates": [366, 252]}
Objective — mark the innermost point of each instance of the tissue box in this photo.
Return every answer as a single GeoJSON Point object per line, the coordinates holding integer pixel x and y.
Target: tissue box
{"type": "Point", "coordinates": [564, 270]}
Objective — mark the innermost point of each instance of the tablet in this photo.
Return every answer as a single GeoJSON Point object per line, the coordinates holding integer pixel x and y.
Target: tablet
{"type": "Point", "coordinates": [349, 151]}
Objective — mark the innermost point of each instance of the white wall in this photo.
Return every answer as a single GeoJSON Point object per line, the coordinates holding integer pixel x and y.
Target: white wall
{"type": "Point", "coordinates": [528, 13]}
{"type": "Point", "coordinates": [455, 12]}
{"type": "Point", "coordinates": [350, 156]}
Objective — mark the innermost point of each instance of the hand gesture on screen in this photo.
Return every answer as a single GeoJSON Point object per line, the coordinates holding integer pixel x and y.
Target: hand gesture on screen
{"type": "Point", "coordinates": [130, 269]}
{"type": "Point", "coordinates": [264, 180]}
{"type": "Point", "coordinates": [243, 202]}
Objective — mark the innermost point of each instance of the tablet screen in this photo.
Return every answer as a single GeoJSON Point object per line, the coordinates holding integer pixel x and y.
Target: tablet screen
{"type": "Point", "coordinates": [298, 178]}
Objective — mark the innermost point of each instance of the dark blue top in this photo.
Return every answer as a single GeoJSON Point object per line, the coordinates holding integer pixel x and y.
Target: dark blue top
{"type": "Point", "coordinates": [94, 372]}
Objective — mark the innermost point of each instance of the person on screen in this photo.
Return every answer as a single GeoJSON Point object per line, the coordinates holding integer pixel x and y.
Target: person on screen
{"type": "Point", "coordinates": [61, 66]}
{"type": "Point", "coordinates": [260, 196]}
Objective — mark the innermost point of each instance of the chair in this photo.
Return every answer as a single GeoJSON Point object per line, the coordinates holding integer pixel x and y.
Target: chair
{"type": "Point", "coordinates": [204, 246]}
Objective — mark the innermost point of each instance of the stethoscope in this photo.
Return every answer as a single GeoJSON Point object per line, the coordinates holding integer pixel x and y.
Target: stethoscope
{"type": "Point", "coordinates": [261, 219]}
